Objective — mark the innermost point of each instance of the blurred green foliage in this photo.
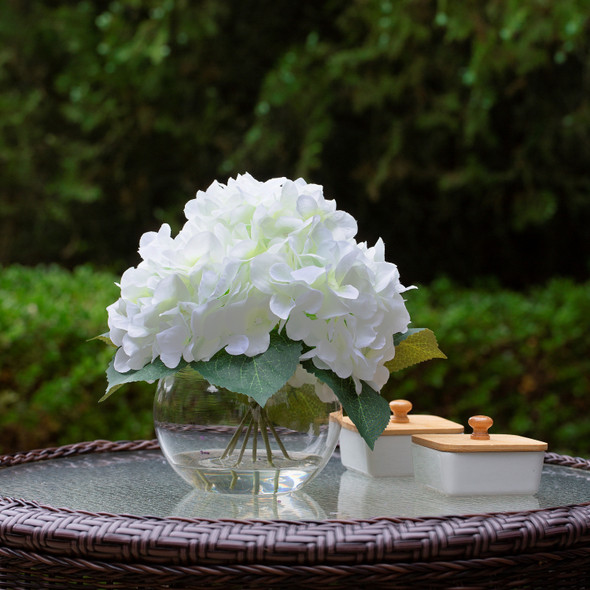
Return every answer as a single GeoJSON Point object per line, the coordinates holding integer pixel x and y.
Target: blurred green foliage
{"type": "Point", "coordinates": [51, 377]}
{"type": "Point", "coordinates": [459, 132]}
{"type": "Point", "coordinates": [523, 358]}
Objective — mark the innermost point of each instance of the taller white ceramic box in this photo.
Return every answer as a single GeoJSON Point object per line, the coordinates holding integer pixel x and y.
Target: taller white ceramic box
{"type": "Point", "coordinates": [392, 454]}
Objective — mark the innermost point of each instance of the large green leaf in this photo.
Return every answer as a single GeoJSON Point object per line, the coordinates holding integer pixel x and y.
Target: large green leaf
{"type": "Point", "coordinates": [152, 372]}
{"type": "Point", "coordinates": [414, 346]}
{"type": "Point", "coordinates": [368, 411]}
{"type": "Point", "coordinates": [258, 376]}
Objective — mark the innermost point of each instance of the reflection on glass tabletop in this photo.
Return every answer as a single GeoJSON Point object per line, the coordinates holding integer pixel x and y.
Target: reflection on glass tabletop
{"type": "Point", "coordinates": [142, 483]}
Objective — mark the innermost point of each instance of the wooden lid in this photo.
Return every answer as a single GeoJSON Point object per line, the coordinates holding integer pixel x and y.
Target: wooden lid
{"type": "Point", "coordinates": [479, 441]}
{"type": "Point", "coordinates": [401, 423]}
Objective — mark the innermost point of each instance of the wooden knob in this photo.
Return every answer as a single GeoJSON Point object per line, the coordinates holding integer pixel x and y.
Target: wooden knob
{"type": "Point", "coordinates": [480, 425]}
{"type": "Point", "coordinates": [400, 409]}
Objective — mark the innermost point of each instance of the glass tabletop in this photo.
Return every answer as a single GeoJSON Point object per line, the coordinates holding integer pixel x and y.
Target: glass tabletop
{"type": "Point", "coordinates": [143, 484]}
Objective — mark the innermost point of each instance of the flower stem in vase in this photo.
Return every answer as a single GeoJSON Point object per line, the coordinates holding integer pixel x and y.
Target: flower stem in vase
{"type": "Point", "coordinates": [262, 422]}
{"type": "Point", "coordinates": [279, 441]}
{"type": "Point", "coordinates": [254, 420]}
{"type": "Point", "coordinates": [234, 439]}
{"type": "Point", "coordinates": [208, 485]}
{"type": "Point", "coordinates": [255, 444]}
{"type": "Point", "coordinates": [245, 442]}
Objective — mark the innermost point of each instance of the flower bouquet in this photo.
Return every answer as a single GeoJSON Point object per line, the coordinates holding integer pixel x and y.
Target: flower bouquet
{"type": "Point", "coordinates": [264, 288]}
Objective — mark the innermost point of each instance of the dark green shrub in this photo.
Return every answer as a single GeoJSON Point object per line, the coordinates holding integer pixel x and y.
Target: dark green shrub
{"type": "Point", "coordinates": [457, 131]}
{"type": "Point", "coordinates": [51, 377]}
{"type": "Point", "coordinates": [112, 114]}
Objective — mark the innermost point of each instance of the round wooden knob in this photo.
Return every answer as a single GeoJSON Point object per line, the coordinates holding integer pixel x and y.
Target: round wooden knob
{"type": "Point", "coordinates": [400, 409]}
{"type": "Point", "coordinates": [480, 425]}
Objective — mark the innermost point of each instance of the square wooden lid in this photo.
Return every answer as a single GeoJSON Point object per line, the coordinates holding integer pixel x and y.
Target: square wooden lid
{"type": "Point", "coordinates": [418, 424]}
{"type": "Point", "coordinates": [401, 423]}
{"type": "Point", "coordinates": [463, 443]}
{"type": "Point", "coordinates": [479, 441]}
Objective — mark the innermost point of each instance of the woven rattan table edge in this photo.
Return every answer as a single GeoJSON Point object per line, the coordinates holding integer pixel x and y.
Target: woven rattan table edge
{"type": "Point", "coordinates": [525, 567]}
{"type": "Point", "coordinates": [32, 527]}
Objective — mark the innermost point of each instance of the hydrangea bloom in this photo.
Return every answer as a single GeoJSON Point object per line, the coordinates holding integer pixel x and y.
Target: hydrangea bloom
{"type": "Point", "coordinates": [253, 257]}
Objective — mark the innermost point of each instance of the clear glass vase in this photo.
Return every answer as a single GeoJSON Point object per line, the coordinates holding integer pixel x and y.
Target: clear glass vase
{"type": "Point", "coordinates": [224, 442]}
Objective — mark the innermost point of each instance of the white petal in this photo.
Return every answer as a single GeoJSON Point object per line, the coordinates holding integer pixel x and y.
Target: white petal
{"type": "Point", "coordinates": [280, 272]}
{"type": "Point", "coordinates": [306, 206]}
{"type": "Point", "coordinates": [347, 292]}
{"type": "Point", "coordinates": [258, 344]}
{"type": "Point", "coordinates": [281, 305]}
{"type": "Point", "coordinates": [310, 301]}
{"type": "Point", "coordinates": [171, 358]}
{"type": "Point", "coordinates": [173, 339]}
{"type": "Point", "coordinates": [308, 274]}
{"type": "Point", "coordinates": [237, 345]}
{"type": "Point", "coordinates": [121, 363]}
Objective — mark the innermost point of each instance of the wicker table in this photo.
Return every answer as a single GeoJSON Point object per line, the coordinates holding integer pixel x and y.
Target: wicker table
{"type": "Point", "coordinates": [128, 521]}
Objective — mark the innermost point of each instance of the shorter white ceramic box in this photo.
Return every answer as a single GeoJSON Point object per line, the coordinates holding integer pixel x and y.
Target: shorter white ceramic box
{"type": "Point", "coordinates": [478, 464]}
{"type": "Point", "coordinates": [392, 453]}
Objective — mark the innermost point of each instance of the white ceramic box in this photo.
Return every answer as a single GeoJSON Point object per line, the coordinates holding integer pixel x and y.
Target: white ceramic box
{"type": "Point", "coordinates": [480, 463]}
{"type": "Point", "coordinates": [392, 453]}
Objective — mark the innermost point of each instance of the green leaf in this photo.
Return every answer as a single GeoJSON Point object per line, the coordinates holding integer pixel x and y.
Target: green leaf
{"type": "Point", "coordinates": [368, 411]}
{"type": "Point", "coordinates": [152, 372]}
{"type": "Point", "coordinates": [415, 346]}
{"type": "Point", "coordinates": [258, 376]}
{"type": "Point", "coordinates": [103, 338]}
{"type": "Point", "coordinates": [399, 338]}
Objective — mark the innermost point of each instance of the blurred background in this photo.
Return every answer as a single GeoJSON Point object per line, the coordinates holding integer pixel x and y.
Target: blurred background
{"type": "Point", "coordinates": [458, 132]}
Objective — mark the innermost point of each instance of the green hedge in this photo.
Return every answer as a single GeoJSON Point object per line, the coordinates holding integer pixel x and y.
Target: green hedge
{"type": "Point", "coordinates": [51, 377]}
{"type": "Point", "coordinates": [523, 358]}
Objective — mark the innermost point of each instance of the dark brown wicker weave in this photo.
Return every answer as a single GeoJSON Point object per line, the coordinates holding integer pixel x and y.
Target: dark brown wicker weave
{"type": "Point", "coordinates": [45, 547]}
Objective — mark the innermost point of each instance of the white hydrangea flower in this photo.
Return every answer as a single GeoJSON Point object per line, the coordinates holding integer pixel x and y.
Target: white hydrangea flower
{"type": "Point", "coordinates": [253, 257]}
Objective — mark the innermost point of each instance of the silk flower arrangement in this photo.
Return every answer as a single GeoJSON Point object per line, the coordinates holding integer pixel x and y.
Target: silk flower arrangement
{"type": "Point", "coordinates": [266, 283]}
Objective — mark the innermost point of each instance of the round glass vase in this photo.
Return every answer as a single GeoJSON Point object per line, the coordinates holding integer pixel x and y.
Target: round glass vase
{"type": "Point", "coordinates": [224, 442]}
